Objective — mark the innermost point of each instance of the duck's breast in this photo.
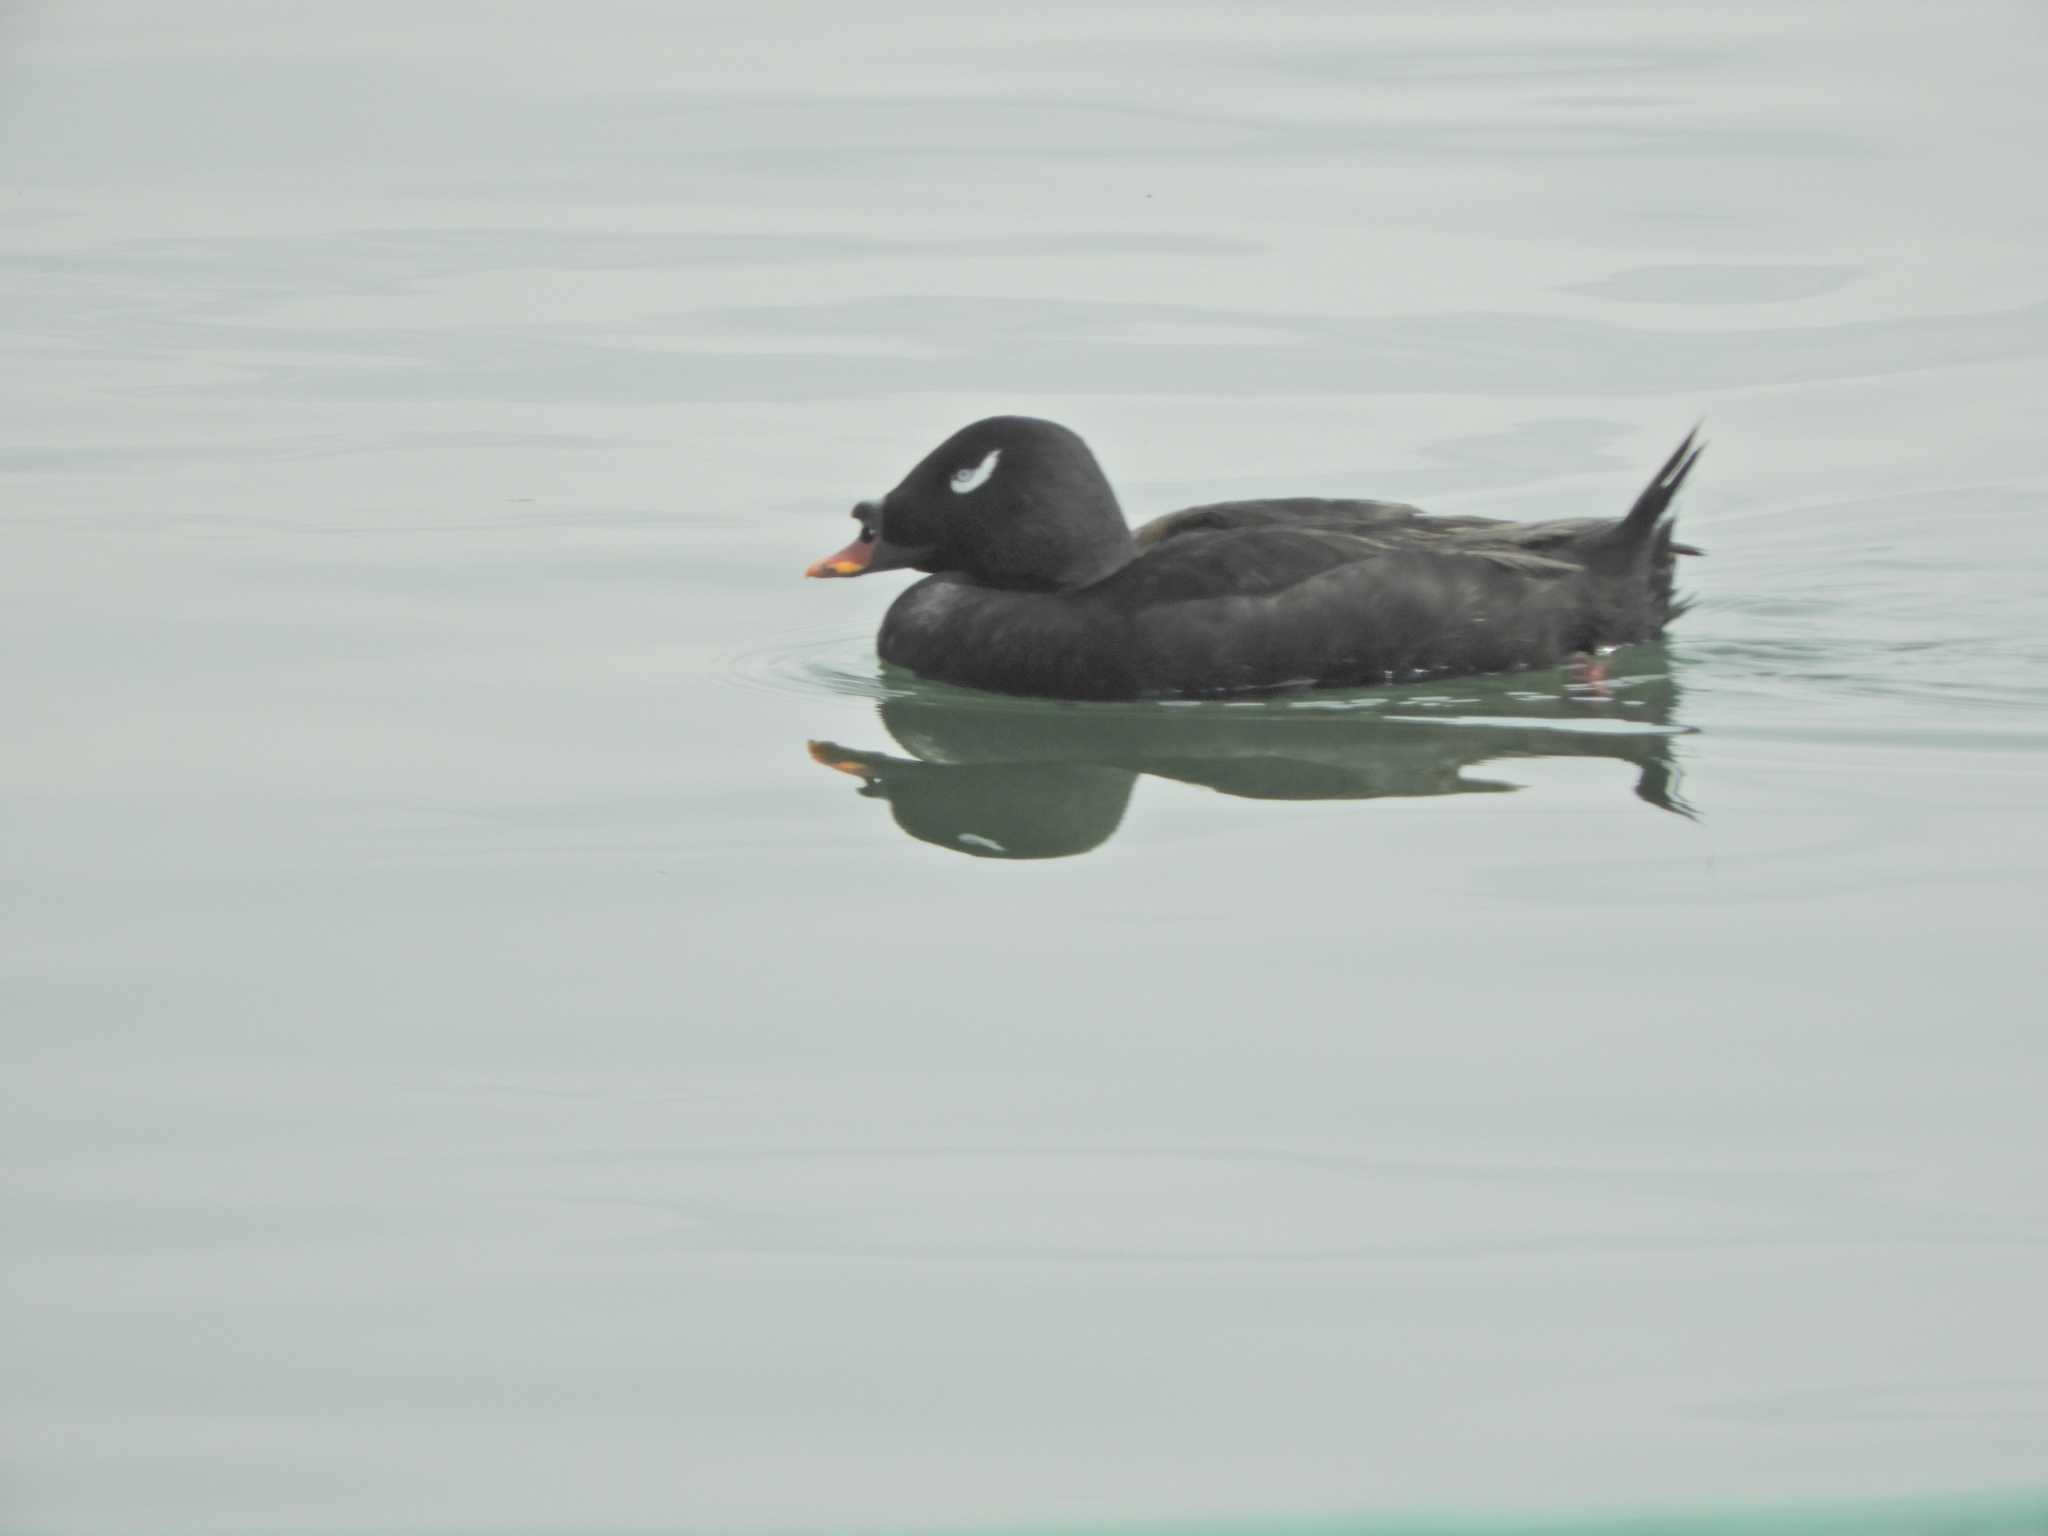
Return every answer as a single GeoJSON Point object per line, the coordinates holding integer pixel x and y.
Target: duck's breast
{"type": "Point", "coordinates": [1049, 644]}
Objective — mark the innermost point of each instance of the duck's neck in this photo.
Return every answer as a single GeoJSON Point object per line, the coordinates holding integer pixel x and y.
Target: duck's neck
{"type": "Point", "coordinates": [1099, 558]}
{"type": "Point", "coordinates": [1060, 549]}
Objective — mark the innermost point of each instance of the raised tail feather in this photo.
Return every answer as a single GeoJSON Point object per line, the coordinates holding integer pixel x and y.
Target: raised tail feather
{"type": "Point", "coordinates": [1655, 501]}
{"type": "Point", "coordinates": [1648, 527]}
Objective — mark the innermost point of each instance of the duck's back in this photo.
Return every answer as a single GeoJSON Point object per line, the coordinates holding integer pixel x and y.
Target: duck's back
{"type": "Point", "coordinates": [1394, 523]}
{"type": "Point", "coordinates": [1394, 518]}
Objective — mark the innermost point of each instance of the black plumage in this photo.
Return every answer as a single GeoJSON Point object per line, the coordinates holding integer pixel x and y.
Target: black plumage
{"type": "Point", "coordinates": [1039, 587]}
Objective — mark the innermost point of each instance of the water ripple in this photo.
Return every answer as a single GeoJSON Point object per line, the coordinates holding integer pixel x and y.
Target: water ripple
{"type": "Point", "coordinates": [845, 667]}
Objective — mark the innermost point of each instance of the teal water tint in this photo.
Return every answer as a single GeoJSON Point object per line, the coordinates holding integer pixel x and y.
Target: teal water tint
{"type": "Point", "coordinates": [514, 1021]}
{"type": "Point", "coordinates": [1948, 1517]}
{"type": "Point", "coordinates": [1979, 1516]}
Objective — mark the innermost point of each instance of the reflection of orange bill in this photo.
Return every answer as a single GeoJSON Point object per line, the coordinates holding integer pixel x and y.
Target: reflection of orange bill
{"type": "Point", "coordinates": [830, 756]}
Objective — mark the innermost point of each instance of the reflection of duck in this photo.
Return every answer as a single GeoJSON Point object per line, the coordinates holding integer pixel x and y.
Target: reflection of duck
{"type": "Point", "coordinates": [1039, 587]}
{"type": "Point", "coordinates": [1032, 781]}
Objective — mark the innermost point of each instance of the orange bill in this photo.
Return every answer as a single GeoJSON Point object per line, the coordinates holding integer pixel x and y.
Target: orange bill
{"type": "Point", "coordinates": [850, 561]}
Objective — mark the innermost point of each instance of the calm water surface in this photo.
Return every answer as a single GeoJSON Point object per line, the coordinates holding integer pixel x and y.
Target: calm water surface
{"type": "Point", "coordinates": [515, 1023]}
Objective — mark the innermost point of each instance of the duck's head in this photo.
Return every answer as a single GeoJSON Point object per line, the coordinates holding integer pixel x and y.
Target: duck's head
{"type": "Point", "coordinates": [1008, 502]}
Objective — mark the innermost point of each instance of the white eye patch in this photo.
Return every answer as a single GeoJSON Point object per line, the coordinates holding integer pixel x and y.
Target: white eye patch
{"type": "Point", "coordinates": [965, 480]}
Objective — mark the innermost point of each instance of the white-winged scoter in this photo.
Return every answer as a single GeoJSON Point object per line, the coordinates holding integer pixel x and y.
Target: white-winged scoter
{"type": "Point", "coordinates": [1038, 586]}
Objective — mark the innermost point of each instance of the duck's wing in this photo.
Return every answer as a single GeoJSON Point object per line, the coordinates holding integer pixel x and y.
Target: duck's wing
{"type": "Point", "coordinates": [1563, 538]}
{"type": "Point", "coordinates": [1191, 563]}
{"type": "Point", "coordinates": [1262, 560]}
{"type": "Point", "coordinates": [1253, 609]}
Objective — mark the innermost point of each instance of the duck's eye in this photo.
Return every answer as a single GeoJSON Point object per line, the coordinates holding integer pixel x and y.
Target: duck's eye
{"type": "Point", "coordinates": [973, 479]}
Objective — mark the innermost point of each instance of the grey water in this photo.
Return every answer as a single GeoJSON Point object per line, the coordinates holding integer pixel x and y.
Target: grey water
{"type": "Point", "coordinates": [514, 1022]}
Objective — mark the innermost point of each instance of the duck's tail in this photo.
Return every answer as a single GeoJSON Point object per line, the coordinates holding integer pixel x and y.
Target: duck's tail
{"type": "Point", "coordinates": [1644, 537]}
{"type": "Point", "coordinates": [1645, 516]}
